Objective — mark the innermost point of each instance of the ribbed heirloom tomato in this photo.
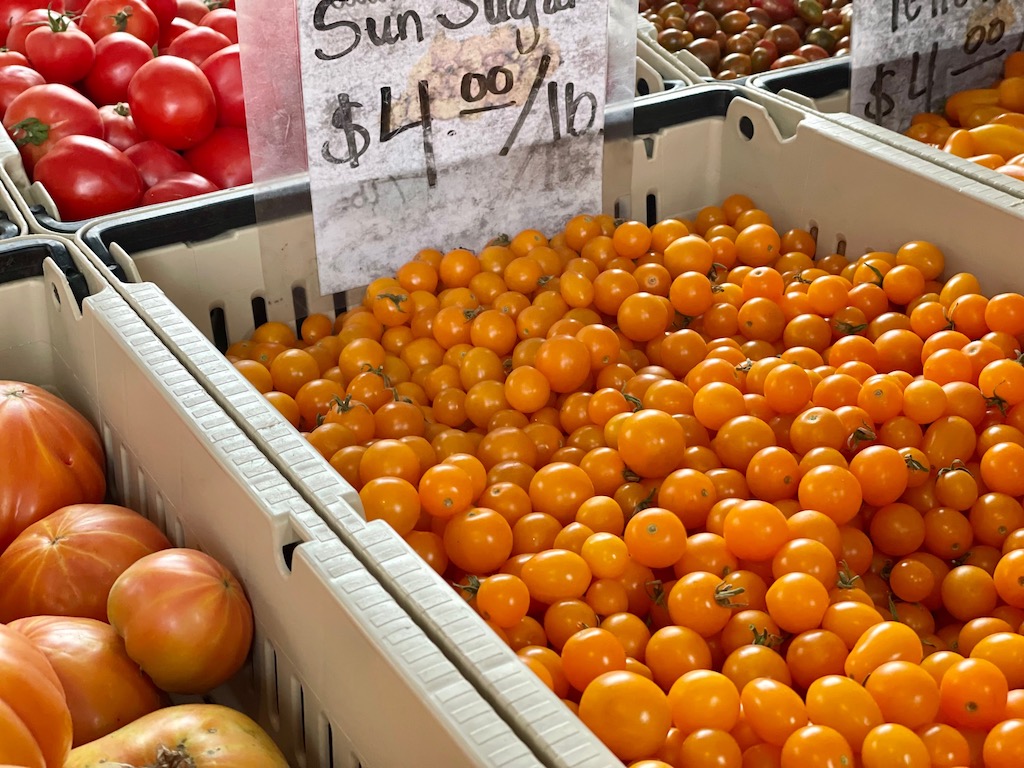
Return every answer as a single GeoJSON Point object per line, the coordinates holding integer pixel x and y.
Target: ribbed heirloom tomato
{"type": "Point", "coordinates": [163, 602]}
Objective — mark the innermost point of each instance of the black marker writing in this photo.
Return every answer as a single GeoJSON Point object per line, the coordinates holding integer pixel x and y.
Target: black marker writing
{"type": "Point", "coordinates": [353, 132]}
{"type": "Point", "coordinates": [392, 30]}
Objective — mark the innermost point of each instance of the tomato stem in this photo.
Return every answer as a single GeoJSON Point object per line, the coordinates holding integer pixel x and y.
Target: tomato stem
{"type": "Point", "coordinates": [646, 502]}
{"type": "Point", "coordinates": [863, 434]}
{"type": "Point", "coordinates": [682, 321]}
{"type": "Point", "coordinates": [471, 587]}
{"type": "Point", "coordinates": [877, 272]}
{"type": "Point", "coordinates": [121, 18]}
{"type": "Point", "coordinates": [724, 594]}
{"type": "Point", "coordinates": [173, 758]}
{"type": "Point", "coordinates": [914, 465]}
{"type": "Point", "coordinates": [394, 298]}
{"type": "Point", "coordinates": [34, 131]}
{"type": "Point", "coordinates": [850, 329]}
{"type": "Point", "coordinates": [846, 579]}
{"type": "Point", "coordinates": [716, 267]}
{"type": "Point", "coordinates": [892, 608]}
{"type": "Point", "coordinates": [957, 466]}
{"type": "Point", "coordinates": [58, 22]}
{"type": "Point", "coordinates": [997, 402]}
{"type": "Point", "coordinates": [634, 402]}
{"type": "Point", "coordinates": [656, 591]}
{"type": "Point", "coordinates": [765, 638]}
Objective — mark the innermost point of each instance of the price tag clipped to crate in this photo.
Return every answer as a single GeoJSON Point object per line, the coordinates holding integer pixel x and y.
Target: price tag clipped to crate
{"type": "Point", "coordinates": [909, 56]}
{"type": "Point", "coordinates": [443, 123]}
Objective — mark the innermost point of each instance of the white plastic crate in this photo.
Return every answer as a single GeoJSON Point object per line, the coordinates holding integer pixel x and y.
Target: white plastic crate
{"type": "Point", "coordinates": [195, 275]}
{"type": "Point", "coordinates": [340, 675]}
{"type": "Point", "coordinates": [12, 220]}
{"type": "Point", "coordinates": [685, 64]}
{"type": "Point", "coordinates": [824, 88]}
{"type": "Point", "coordinates": [537, 716]}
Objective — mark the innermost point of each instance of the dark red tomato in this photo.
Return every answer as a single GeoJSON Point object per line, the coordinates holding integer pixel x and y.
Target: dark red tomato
{"type": "Point", "coordinates": [155, 162]}
{"type": "Point", "coordinates": [178, 187]}
{"type": "Point", "coordinates": [119, 129]}
{"type": "Point", "coordinates": [224, 71]}
{"type": "Point", "coordinates": [14, 79]}
{"type": "Point", "coordinates": [170, 32]}
{"type": "Point", "coordinates": [60, 51]}
{"type": "Point", "coordinates": [75, 6]}
{"type": "Point", "coordinates": [224, 20]}
{"type": "Point", "coordinates": [24, 26]}
{"type": "Point", "coordinates": [12, 10]}
{"type": "Point", "coordinates": [12, 57]}
{"type": "Point", "coordinates": [118, 57]}
{"type": "Point", "coordinates": [87, 177]}
{"type": "Point", "coordinates": [104, 17]}
{"type": "Point", "coordinates": [198, 44]}
{"type": "Point", "coordinates": [165, 10]}
{"type": "Point", "coordinates": [779, 10]}
{"type": "Point", "coordinates": [172, 102]}
{"type": "Point", "coordinates": [44, 114]}
{"type": "Point", "coordinates": [223, 158]}
{"type": "Point", "coordinates": [193, 10]}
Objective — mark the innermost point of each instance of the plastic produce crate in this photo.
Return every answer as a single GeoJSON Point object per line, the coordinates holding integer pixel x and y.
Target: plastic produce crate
{"type": "Point", "coordinates": [339, 675]}
{"type": "Point", "coordinates": [824, 87]}
{"type": "Point", "coordinates": [694, 70]}
{"type": "Point", "coordinates": [691, 150]}
{"type": "Point", "coordinates": [12, 221]}
{"type": "Point", "coordinates": [228, 223]}
{"type": "Point", "coordinates": [655, 66]}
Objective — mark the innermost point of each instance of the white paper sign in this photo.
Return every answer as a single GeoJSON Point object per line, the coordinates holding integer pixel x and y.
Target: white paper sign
{"type": "Point", "coordinates": [909, 56]}
{"type": "Point", "coordinates": [441, 123]}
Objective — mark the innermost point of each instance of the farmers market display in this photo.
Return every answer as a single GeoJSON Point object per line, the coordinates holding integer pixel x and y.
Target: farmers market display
{"type": "Point", "coordinates": [736, 38]}
{"type": "Point", "coordinates": [105, 124]}
{"type": "Point", "coordinates": [733, 504]}
{"type": "Point", "coordinates": [102, 618]}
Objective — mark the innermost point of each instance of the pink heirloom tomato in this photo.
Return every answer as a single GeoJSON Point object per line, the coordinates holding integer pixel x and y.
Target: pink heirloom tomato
{"type": "Point", "coordinates": [184, 618]}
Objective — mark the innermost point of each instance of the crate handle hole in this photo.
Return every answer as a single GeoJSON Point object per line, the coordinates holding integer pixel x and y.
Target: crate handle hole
{"type": "Point", "coordinates": [642, 87]}
{"type": "Point", "coordinates": [219, 326]}
{"type": "Point", "coordinates": [56, 294]}
{"type": "Point", "coordinates": [747, 127]}
{"type": "Point", "coordinates": [652, 209]}
{"type": "Point", "coordinates": [299, 306]}
{"type": "Point", "coordinates": [259, 311]}
{"type": "Point", "coordinates": [288, 553]}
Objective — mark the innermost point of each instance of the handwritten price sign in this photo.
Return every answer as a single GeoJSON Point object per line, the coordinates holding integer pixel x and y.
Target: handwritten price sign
{"type": "Point", "coordinates": [909, 56]}
{"type": "Point", "coordinates": [444, 122]}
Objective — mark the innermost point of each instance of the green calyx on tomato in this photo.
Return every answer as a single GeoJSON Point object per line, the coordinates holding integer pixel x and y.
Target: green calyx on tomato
{"type": "Point", "coordinates": [33, 130]}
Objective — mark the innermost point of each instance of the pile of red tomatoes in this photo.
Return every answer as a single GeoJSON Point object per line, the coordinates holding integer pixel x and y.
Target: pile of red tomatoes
{"type": "Point", "coordinates": [119, 103]}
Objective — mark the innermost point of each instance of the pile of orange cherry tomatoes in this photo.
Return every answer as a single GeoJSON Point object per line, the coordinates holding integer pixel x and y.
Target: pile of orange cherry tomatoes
{"type": "Point", "coordinates": [735, 505]}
